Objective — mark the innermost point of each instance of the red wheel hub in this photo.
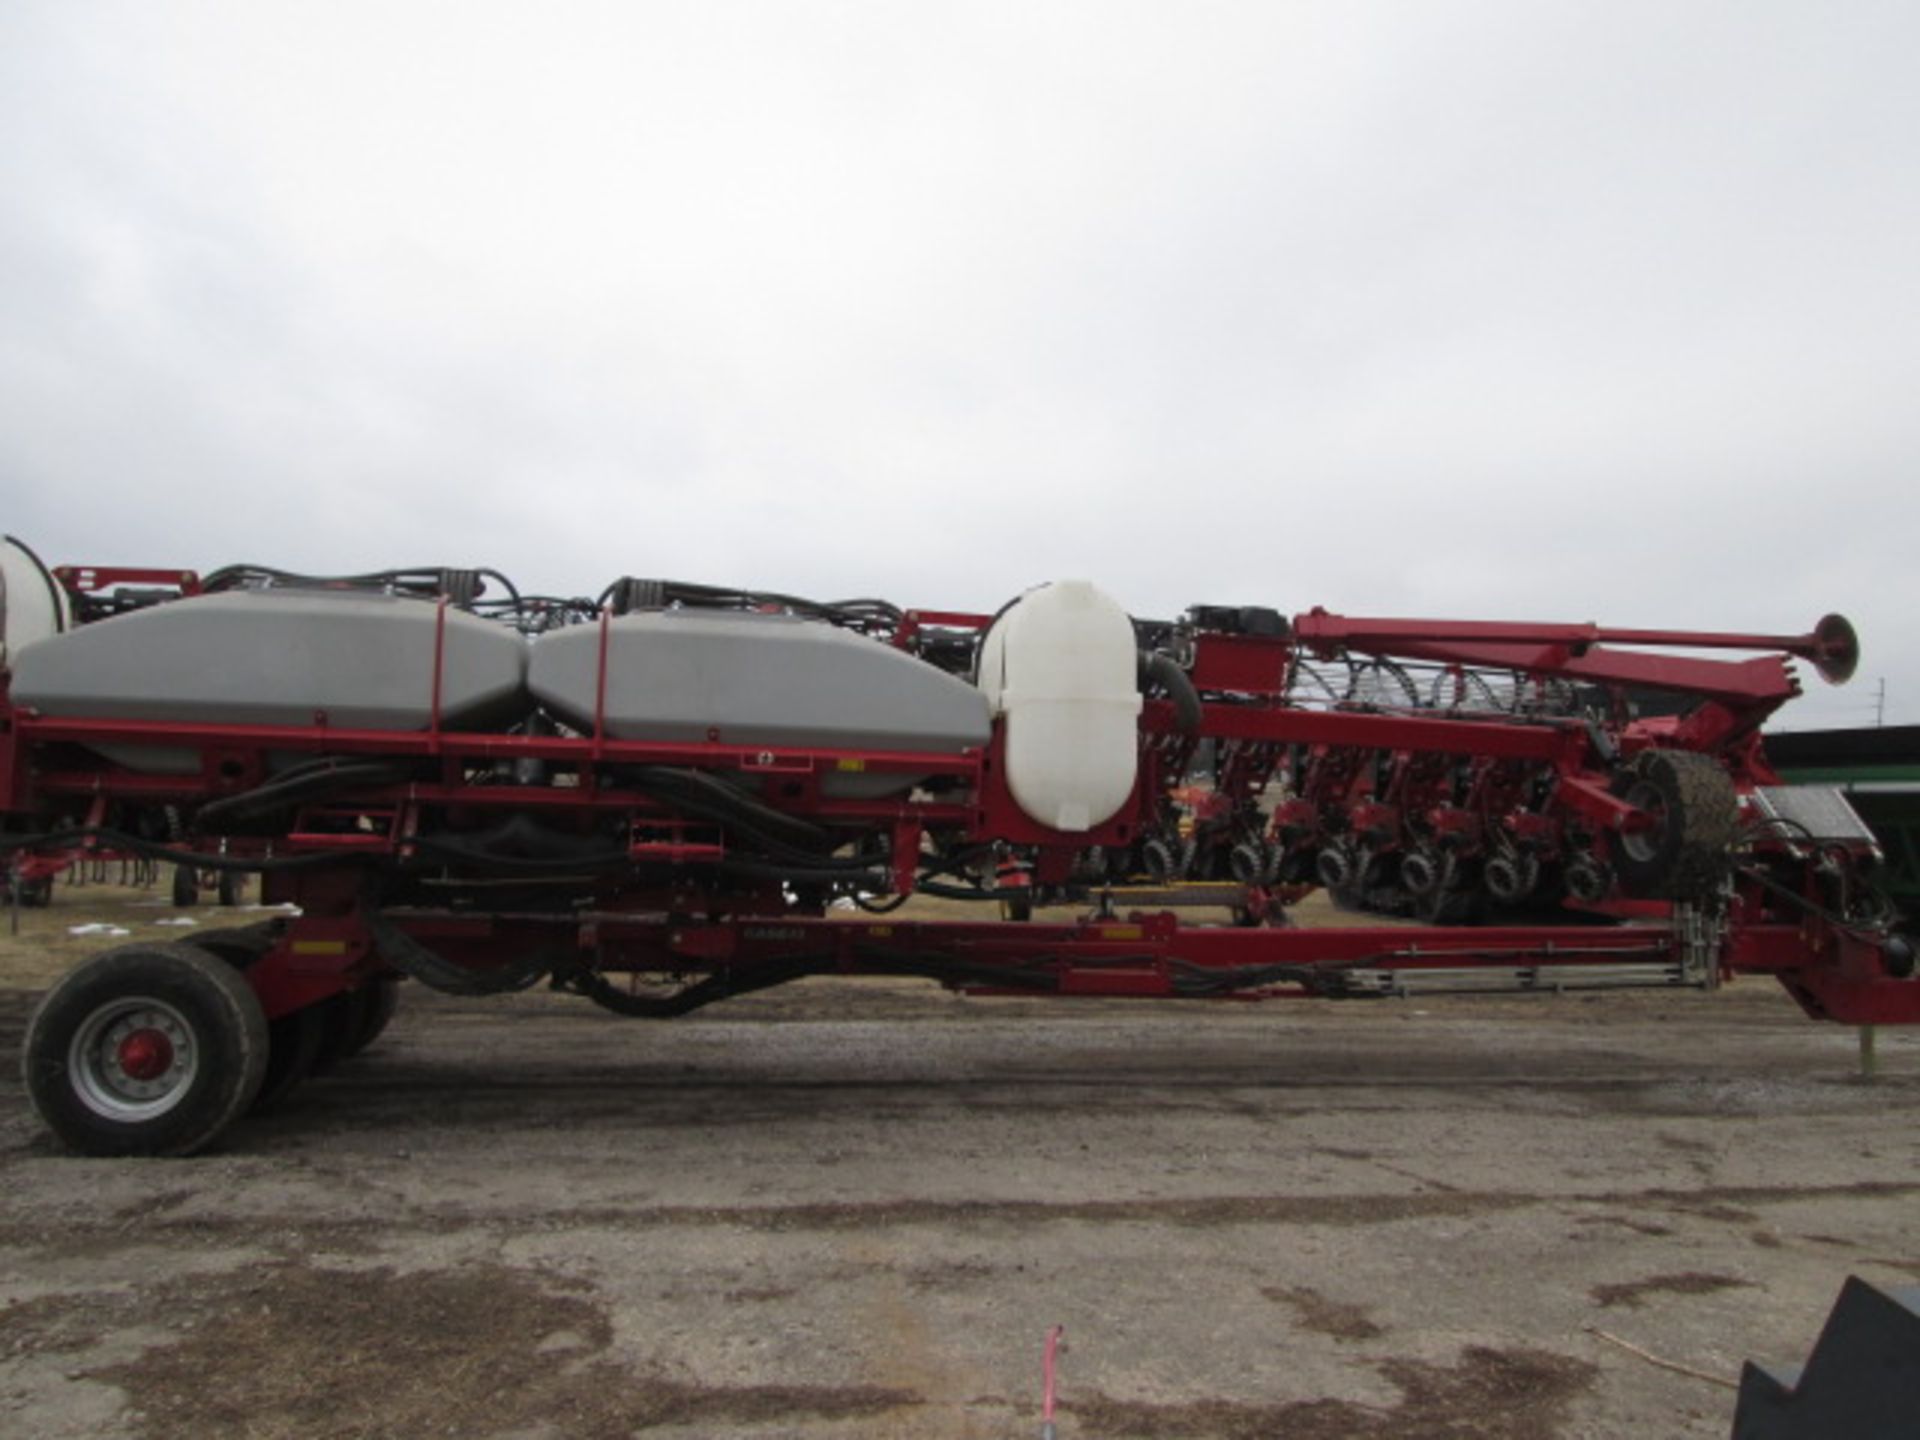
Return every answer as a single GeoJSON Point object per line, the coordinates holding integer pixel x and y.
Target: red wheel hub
{"type": "Point", "coordinates": [145, 1054]}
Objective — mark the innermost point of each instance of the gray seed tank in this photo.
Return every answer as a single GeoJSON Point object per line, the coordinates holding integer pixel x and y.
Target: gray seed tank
{"type": "Point", "coordinates": [350, 659]}
{"type": "Point", "coordinates": [1058, 667]}
{"type": "Point", "coordinates": [695, 675]}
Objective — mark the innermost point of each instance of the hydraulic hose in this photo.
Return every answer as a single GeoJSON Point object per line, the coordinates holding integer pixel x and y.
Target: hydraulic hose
{"type": "Point", "coordinates": [419, 579]}
{"type": "Point", "coordinates": [1164, 672]}
{"type": "Point", "coordinates": [710, 798]}
{"type": "Point", "coordinates": [720, 986]}
{"type": "Point", "coordinates": [724, 984]}
{"type": "Point", "coordinates": [478, 855]}
{"type": "Point", "coordinates": [308, 783]}
{"type": "Point", "coordinates": [866, 615]}
{"type": "Point", "coordinates": [411, 958]}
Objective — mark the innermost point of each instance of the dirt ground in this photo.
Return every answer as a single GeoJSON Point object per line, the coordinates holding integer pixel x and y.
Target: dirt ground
{"type": "Point", "coordinates": [854, 1209]}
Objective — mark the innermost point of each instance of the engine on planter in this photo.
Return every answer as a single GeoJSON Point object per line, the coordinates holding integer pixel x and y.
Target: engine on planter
{"type": "Point", "coordinates": [671, 793]}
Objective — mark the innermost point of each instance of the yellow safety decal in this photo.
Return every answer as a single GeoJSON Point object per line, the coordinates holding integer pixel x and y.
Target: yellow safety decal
{"type": "Point", "coordinates": [319, 947]}
{"type": "Point", "coordinates": [850, 762]}
{"type": "Point", "coordinates": [1119, 932]}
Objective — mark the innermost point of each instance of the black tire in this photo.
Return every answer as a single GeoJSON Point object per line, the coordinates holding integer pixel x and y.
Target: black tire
{"type": "Point", "coordinates": [293, 1041]}
{"type": "Point", "coordinates": [383, 999]}
{"type": "Point", "coordinates": [1455, 898]}
{"type": "Point", "coordinates": [1451, 907]}
{"type": "Point", "coordinates": [342, 1018]}
{"type": "Point", "coordinates": [233, 886]}
{"type": "Point", "coordinates": [186, 887]}
{"type": "Point", "coordinates": [1247, 862]}
{"type": "Point", "coordinates": [239, 945]}
{"type": "Point", "coordinates": [293, 1045]}
{"type": "Point", "coordinates": [1696, 816]}
{"type": "Point", "coordinates": [354, 1019]}
{"type": "Point", "coordinates": [172, 1006]}
{"type": "Point", "coordinates": [37, 894]}
{"type": "Point", "coordinates": [1160, 860]}
{"type": "Point", "coordinates": [1350, 899]}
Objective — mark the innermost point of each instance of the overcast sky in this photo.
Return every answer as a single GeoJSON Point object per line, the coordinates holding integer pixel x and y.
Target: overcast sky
{"type": "Point", "coordinates": [1524, 310]}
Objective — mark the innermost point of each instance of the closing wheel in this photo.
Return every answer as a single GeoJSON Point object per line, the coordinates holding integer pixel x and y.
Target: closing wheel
{"type": "Point", "coordinates": [233, 887]}
{"type": "Point", "coordinates": [1249, 863]}
{"type": "Point", "coordinates": [1452, 895]}
{"type": "Point", "coordinates": [1695, 812]}
{"type": "Point", "coordinates": [145, 1050]}
{"type": "Point", "coordinates": [186, 887]}
{"type": "Point", "coordinates": [1160, 858]}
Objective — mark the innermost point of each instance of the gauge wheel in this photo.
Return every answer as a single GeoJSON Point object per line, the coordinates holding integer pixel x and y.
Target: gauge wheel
{"type": "Point", "coordinates": [145, 1050]}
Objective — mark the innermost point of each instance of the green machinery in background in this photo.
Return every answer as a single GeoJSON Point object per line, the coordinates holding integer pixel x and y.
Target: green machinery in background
{"type": "Point", "coordinates": [1879, 770]}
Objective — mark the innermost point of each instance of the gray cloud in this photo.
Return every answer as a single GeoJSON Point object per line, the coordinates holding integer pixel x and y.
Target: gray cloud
{"type": "Point", "coordinates": [1506, 310]}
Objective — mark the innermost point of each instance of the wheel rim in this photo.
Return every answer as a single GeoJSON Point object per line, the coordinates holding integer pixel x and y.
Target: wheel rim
{"type": "Point", "coordinates": [133, 1059]}
{"type": "Point", "coordinates": [1643, 845]}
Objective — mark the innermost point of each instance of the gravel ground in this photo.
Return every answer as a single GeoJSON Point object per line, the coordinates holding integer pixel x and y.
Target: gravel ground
{"type": "Point", "coordinates": [855, 1209]}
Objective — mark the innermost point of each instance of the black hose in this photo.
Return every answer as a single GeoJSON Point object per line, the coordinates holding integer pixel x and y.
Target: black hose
{"type": "Point", "coordinates": [868, 616]}
{"type": "Point", "coordinates": [522, 836]}
{"type": "Point", "coordinates": [721, 801]}
{"type": "Point", "coordinates": [411, 958]}
{"type": "Point", "coordinates": [416, 579]}
{"type": "Point", "coordinates": [1869, 931]}
{"type": "Point", "coordinates": [724, 984]}
{"type": "Point", "coordinates": [308, 782]}
{"type": "Point", "coordinates": [958, 892]}
{"type": "Point", "coordinates": [719, 986]}
{"type": "Point", "coordinates": [1164, 671]}
{"type": "Point", "coordinates": [840, 873]}
{"type": "Point", "coordinates": [903, 962]}
{"type": "Point", "coordinates": [477, 855]}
